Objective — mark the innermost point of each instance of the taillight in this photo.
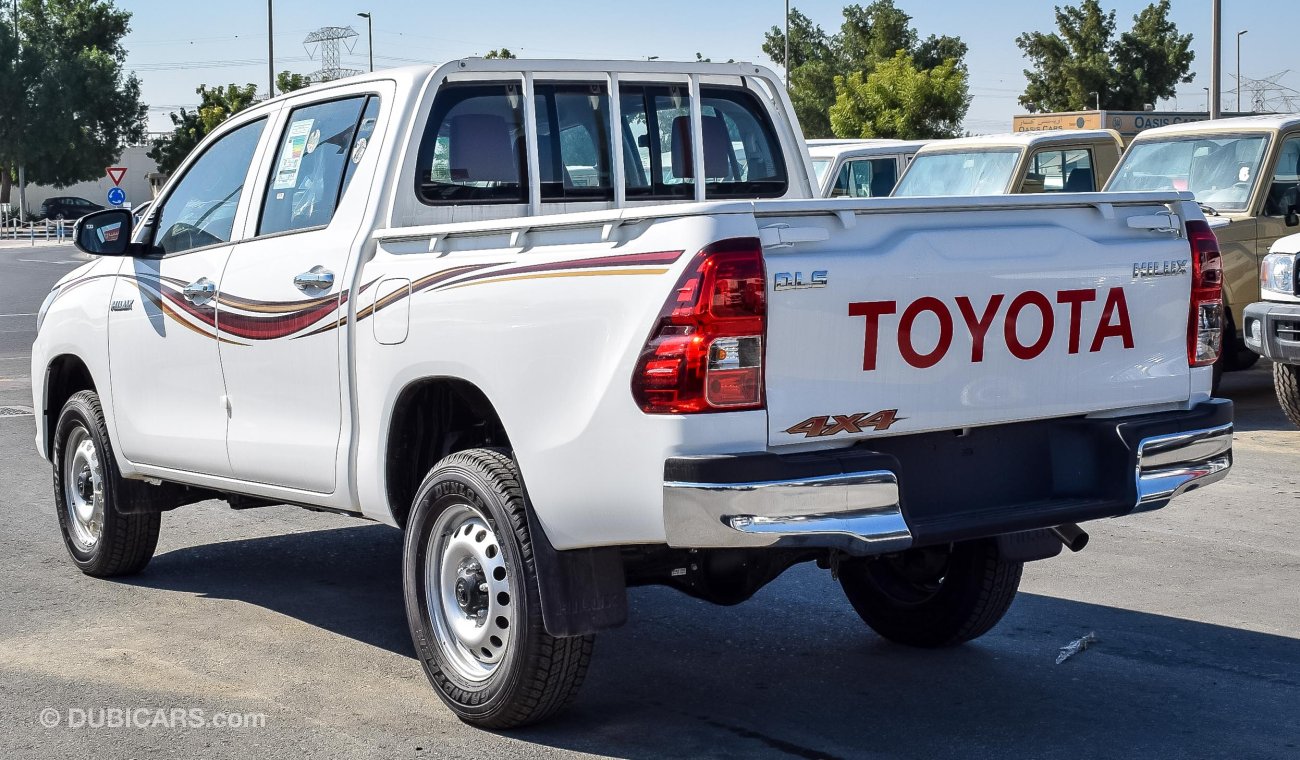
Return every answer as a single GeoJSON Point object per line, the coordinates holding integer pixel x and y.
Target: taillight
{"type": "Point", "coordinates": [705, 353]}
{"type": "Point", "coordinates": [1205, 322]}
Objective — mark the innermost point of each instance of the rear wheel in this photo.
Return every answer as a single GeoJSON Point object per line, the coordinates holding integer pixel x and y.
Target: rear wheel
{"type": "Point", "coordinates": [935, 596]}
{"type": "Point", "coordinates": [101, 541]}
{"type": "Point", "coordinates": [472, 598]}
{"type": "Point", "coordinates": [1286, 382]}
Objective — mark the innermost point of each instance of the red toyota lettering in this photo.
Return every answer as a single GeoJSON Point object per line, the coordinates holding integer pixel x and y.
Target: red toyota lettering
{"type": "Point", "coordinates": [905, 347]}
{"type": "Point", "coordinates": [978, 326]}
{"type": "Point", "coordinates": [1114, 322]}
{"type": "Point", "coordinates": [1076, 299]}
{"type": "Point", "coordinates": [872, 310]}
{"type": "Point", "coordinates": [1116, 307]}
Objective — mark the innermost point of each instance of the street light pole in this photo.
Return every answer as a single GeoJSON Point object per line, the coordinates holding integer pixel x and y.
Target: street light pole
{"type": "Point", "coordinates": [787, 45]}
{"type": "Point", "coordinates": [22, 170]}
{"type": "Point", "coordinates": [1243, 31]}
{"type": "Point", "coordinates": [1216, 59]}
{"type": "Point", "coordinates": [270, 47]}
{"type": "Point", "coordinates": [370, 29]}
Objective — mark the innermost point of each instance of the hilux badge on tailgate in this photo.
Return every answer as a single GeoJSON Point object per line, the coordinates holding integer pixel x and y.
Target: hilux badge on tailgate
{"type": "Point", "coordinates": [1159, 268]}
{"type": "Point", "coordinates": [796, 281]}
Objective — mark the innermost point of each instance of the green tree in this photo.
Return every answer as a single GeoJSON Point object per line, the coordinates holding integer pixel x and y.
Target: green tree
{"type": "Point", "coordinates": [287, 81]}
{"type": "Point", "coordinates": [825, 69]}
{"type": "Point", "coordinates": [67, 106]}
{"type": "Point", "coordinates": [1151, 59]}
{"type": "Point", "coordinates": [899, 100]}
{"type": "Point", "coordinates": [502, 53]}
{"type": "Point", "coordinates": [216, 104]}
{"type": "Point", "coordinates": [1083, 57]}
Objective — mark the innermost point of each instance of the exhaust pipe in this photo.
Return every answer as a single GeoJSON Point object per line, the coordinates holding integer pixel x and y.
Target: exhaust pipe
{"type": "Point", "coordinates": [1071, 535]}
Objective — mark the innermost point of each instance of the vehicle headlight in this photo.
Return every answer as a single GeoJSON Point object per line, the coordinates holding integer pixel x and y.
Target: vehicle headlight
{"type": "Point", "coordinates": [1277, 273]}
{"type": "Point", "coordinates": [40, 314]}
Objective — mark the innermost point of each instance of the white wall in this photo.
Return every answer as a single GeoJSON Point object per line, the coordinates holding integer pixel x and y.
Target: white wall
{"type": "Point", "coordinates": [136, 183]}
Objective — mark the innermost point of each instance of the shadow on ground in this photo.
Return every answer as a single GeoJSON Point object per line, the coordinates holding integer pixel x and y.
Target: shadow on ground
{"type": "Point", "coordinates": [794, 673]}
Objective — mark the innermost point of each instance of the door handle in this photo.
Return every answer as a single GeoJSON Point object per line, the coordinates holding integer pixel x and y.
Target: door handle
{"type": "Point", "coordinates": [317, 278]}
{"type": "Point", "coordinates": [201, 290]}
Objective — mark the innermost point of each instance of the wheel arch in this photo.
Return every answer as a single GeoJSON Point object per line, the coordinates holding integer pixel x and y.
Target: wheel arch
{"type": "Point", "coordinates": [432, 418]}
{"type": "Point", "coordinates": [65, 375]}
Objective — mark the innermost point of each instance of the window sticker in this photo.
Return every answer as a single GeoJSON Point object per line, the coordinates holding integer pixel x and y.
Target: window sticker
{"type": "Point", "coordinates": [359, 150]}
{"type": "Point", "coordinates": [313, 141]}
{"type": "Point", "coordinates": [295, 144]}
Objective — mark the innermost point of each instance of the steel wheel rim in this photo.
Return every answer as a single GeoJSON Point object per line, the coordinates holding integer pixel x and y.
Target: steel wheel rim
{"type": "Point", "coordinates": [469, 592]}
{"type": "Point", "coordinates": [83, 489]}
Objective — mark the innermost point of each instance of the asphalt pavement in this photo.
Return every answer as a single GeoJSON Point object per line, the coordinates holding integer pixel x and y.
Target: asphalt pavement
{"type": "Point", "coordinates": [291, 623]}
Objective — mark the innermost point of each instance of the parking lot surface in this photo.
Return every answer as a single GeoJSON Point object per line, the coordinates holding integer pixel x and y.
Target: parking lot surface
{"type": "Point", "coordinates": [297, 617]}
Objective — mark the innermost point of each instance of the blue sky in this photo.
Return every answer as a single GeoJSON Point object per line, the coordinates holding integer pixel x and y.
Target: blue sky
{"type": "Point", "coordinates": [174, 47]}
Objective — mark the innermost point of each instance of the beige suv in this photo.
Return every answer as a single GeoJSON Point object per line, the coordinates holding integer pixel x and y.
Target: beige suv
{"type": "Point", "coordinates": [1058, 161]}
{"type": "Point", "coordinates": [1245, 172]}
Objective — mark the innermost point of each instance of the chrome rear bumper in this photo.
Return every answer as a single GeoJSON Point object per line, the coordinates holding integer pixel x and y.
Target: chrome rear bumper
{"type": "Point", "coordinates": [933, 488]}
{"type": "Point", "coordinates": [857, 512]}
{"type": "Point", "coordinates": [1170, 465]}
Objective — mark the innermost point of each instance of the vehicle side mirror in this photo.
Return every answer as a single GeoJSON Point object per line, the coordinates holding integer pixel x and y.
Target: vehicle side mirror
{"type": "Point", "coordinates": [1293, 217]}
{"type": "Point", "coordinates": [104, 233]}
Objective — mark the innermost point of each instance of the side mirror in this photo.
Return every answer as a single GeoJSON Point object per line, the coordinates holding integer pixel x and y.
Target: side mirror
{"type": "Point", "coordinates": [1293, 217]}
{"type": "Point", "coordinates": [104, 233]}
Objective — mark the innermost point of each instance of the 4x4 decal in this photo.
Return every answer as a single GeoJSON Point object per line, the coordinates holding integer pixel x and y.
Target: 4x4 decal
{"type": "Point", "coordinates": [834, 424]}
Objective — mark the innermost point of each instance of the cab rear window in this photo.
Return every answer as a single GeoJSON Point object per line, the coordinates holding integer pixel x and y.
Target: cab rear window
{"type": "Point", "coordinates": [474, 147]}
{"type": "Point", "coordinates": [473, 150]}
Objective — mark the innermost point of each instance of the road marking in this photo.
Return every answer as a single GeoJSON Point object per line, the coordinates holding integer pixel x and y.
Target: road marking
{"type": "Point", "coordinates": [18, 315]}
{"type": "Point", "coordinates": [47, 261]}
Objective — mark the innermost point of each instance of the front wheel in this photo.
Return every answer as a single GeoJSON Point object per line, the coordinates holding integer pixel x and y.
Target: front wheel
{"type": "Point", "coordinates": [472, 598]}
{"type": "Point", "coordinates": [101, 541]}
{"type": "Point", "coordinates": [1286, 382]}
{"type": "Point", "coordinates": [935, 596]}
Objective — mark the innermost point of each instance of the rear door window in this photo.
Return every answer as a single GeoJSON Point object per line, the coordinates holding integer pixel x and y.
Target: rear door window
{"type": "Point", "coordinates": [1061, 171]}
{"type": "Point", "coordinates": [866, 178]}
{"type": "Point", "coordinates": [473, 149]}
{"type": "Point", "coordinates": [313, 158]}
{"type": "Point", "coordinates": [1284, 191]}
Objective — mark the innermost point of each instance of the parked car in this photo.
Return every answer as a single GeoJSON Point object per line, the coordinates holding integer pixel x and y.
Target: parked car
{"type": "Point", "coordinates": [138, 213]}
{"type": "Point", "coordinates": [386, 296]}
{"type": "Point", "coordinates": [1245, 173]}
{"type": "Point", "coordinates": [67, 207]}
{"type": "Point", "coordinates": [860, 168]}
{"type": "Point", "coordinates": [1055, 161]}
{"type": "Point", "coordinates": [1272, 326]}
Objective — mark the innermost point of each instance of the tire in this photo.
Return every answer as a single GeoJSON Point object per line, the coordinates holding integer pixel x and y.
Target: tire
{"type": "Point", "coordinates": [933, 597]}
{"type": "Point", "coordinates": [487, 654]}
{"type": "Point", "coordinates": [87, 486]}
{"type": "Point", "coordinates": [1286, 382]}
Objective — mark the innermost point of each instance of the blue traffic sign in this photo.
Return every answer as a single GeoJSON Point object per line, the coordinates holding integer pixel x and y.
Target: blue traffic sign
{"type": "Point", "coordinates": [117, 196]}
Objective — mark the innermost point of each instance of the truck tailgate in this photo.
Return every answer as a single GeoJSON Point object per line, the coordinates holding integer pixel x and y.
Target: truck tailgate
{"type": "Point", "coordinates": [897, 317]}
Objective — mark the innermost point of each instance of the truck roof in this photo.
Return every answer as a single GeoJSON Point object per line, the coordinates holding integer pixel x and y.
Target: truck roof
{"type": "Point", "coordinates": [1023, 139]}
{"type": "Point", "coordinates": [837, 148]}
{"type": "Point", "coordinates": [1265, 123]}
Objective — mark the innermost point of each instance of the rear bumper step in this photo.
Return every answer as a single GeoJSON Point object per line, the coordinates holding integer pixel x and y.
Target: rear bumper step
{"type": "Point", "coordinates": [935, 488]}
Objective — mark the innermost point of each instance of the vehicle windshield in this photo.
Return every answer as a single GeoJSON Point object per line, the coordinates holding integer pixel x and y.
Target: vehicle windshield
{"type": "Point", "coordinates": [820, 165]}
{"type": "Point", "coordinates": [975, 172]}
{"type": "Point", "coordinates": [1220, 171]}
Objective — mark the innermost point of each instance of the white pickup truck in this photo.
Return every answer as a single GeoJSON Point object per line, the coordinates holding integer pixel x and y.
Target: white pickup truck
{"type": "Point", "coordinates": [495, 305]}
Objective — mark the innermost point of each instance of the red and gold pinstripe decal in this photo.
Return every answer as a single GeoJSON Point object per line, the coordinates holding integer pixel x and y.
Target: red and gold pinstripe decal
{"type": "Point", "coordinates": [232, 319]}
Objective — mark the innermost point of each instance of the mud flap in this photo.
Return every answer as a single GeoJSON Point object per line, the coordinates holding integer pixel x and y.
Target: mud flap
{"type": "Point", "coordinates": [582, 590]}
